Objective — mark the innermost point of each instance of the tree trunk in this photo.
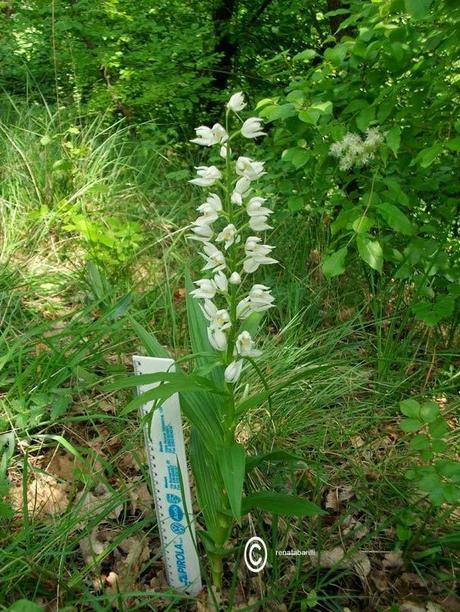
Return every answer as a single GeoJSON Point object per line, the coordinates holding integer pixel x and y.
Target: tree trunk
{"type": "Point", "coordinates": [224, 46]}
{"type": "Point", "coordinates": [336, 20]}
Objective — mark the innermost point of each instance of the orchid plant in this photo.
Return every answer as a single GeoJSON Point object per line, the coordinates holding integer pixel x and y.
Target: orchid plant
{"type": "Point", "coordinates": [224, 310]}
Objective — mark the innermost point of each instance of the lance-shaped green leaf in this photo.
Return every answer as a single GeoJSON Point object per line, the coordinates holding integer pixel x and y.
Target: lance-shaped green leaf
{"type": "Point", "coordinates": [275, 455]}
{"type": "Point", "coordinates": [259, 398]}
{"type": "Point", "coordinates": [232, 462]}
{"type": "Point", "coordinates": [149, 340]}
{"type": "Point", "coordinates": [209, 488]}
{"type": "Point", "coordinates": [164, 377]}
{"type": "Point", "coordinates": [186, 384]}
{"type": "Point", "coordinates": [201, 408]}
{"type": "Point", "coordinates": [281, 504]}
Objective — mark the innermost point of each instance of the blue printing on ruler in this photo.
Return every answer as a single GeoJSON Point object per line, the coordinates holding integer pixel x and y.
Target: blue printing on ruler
{"type": "Point", "coordinates": [175, 509]}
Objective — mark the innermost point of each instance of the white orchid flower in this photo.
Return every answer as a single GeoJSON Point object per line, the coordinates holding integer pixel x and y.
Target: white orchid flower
{"type": "Point", "coordinates": [259, 224]}
{"type": "Point", "coordinates": [243, 308]}
{"type": "Point", "coordinates": [253, 245]}
{"type": "Point", "coordinates": [235, 278]}
{"type": "Point", "coordinates": [245, 345]}
{"type": "Point", "coordinates": [261, 298]}
{"type": "Point", "coordinates": [249, 168]}
{"type": "Point", "coordinates": [218, 318]}
{"type": "Point", "coordinates": [217, 339]}
{"type": "Point", "coordinates": [252, 128]}
{"type": "Point", "coordinates": [258, 214]}
{"type": "Point", "coordinates": [203, 232]}
{"type": "Point", "coordinates": [236, 102]}
{"type": "Point", "coordinates": [206, 289]}
{"type": "Point", "coordinates": [219, 133]}
{"type": "Point", "coordinates": [214, 258]}
{"type": "Point", "coordinates": [256, 254]}
{"type": "Point", "coordinates": [232, 372]}
{"type": "Point", "coordinates": [207, 176]}
{"type": "Point", "coordinates": [204, 136]}
{"type": "Point", "coordinates": [242, 189]}
{"type": "Point", "coordinates": [228, 236]}
{"type": "Point", "coordinates": [255, 207]}
{"type": "Point", "coordinates": [258, 300]}
{"type": "Point", "coordinates": [221, 282]}
{"type": "Point", "coordinates": [213, 203]}
{"type": "Point", "coordinates": [207, 137]}
{"type": "Point", "coordinates": [210, 210]}
{"type": "Point", "coordinates": [223, 151]}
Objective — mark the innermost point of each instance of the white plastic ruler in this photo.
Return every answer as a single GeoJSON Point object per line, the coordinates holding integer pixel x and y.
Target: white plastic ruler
{"type": "Point", "coordinates": [164, 441]}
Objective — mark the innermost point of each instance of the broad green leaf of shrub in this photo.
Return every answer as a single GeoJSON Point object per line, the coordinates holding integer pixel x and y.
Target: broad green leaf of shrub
{"type": "Point", "coordinates": [432, 313]}
{"type": "Point", "coordinates": [438, 428]}
{"type": "Point", "coordinates": [315, 111]}
{"type": "Point", "coordinates": [429, 412]}
{"type": "Point", "coordinates": [336, 54]}
{"type": "Point", "coordinates": [393, 139]}
{"type": "Point", "coordinates": [296, 203]}
{"type": "Point", "coordinates": [410, 408]}
{"type": "Point", "coordinates": [395, 218]}
{"type": "Point", "coordinates": [370, 251]}
{"type": "Point", "coordinates": [410, 425]}
{"type": "Point", "coordinates": [334, 264]}
{"type": "Point", "coordinates": [418, 8]}
{"type": "Point", "coordinates": [363, 224]}
{"type": "Point", "coordinates": [453, 144]}
{"type": "Point", "coordinates": [420, 442]}
{"type": "Point", "coordinates": [297, 156]}
{"type": "Point", "coordinates": [427, 156]}
{"type": "Point", "coordinates": [365, 117]}
{"type": "Point", "coordinates": [305, 56]}
{"type": "Point", "coordinates": [24, 605]}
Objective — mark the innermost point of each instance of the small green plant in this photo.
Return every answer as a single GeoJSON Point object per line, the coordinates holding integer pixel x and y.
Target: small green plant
{"type": "Point", "coordinates": [437, 476]}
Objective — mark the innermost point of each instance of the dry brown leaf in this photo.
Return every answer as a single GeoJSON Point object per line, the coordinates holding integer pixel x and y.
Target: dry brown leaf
{"type": "Point", "coordinates": [107, 406]}
{"type": "Point", "coordinates": [431, 606]}
{"type": "Point", "coordinates": [94, 501]}
{"type": "Point", "coordinates": [61, 465]}
{"type": "Point", "coordinates": [46, 496]}
{"type": "Point", "coordinates": [357, 441]}
{"type": "Point", "coordinates": [137, 551]}
{"type": "Point", "coordinates": [361, 565]}
{"type": "Point", "coordinates": [393, 561]}
{"type": "Point", "coordinates": [112, 580]}
{"type": "Point", "coordinates": [413, 580]}
{"type": "Point", "coordinates": [410, 606]}
{"type": "Point", "coordinates": [128, 462]}
{"type": "Point", "coordinates": [92, 545]}
{"type": "Point", "coordinates": [335, 497]}
{"type": "Point", "coordinates": [379, 578]}
{"type": "Point", "coordinates": [354, 528]}
{"type": "Point", "coordinates": [140, 499]}
{"type": "Point", "coordinates": [337, 557]}
{"type": "Point", "coordinates": [330, 558]}
{"type": "Point", "coordinates": [159, 582]}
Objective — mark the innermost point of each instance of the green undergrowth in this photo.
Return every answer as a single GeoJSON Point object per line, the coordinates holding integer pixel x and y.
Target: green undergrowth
{"type": "Point", "coordinates": [91, 218]}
